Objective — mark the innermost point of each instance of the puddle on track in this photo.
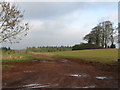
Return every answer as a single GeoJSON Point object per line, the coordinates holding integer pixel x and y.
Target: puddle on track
{"type": "Point", "coordinates": [78, 75]}
{"type": "Point", "coordinates": [45, 60]}
{"type": "Point", "coordinates": [91, 86]}
{"type": "Point", "coordinates": [65, 60]}
{"type": "Point", "coordinates": [75, 75]}
{"type": "Point", "coordinates": [31, 85]}
{"type": "Point", "coordinates": [102, 78]}
{"type": "Point", "coordinates": [27, 71]}
{"type": "Point", "coordinates": [39, 85]}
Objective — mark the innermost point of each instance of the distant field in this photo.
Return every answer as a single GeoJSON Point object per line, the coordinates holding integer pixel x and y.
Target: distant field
{"type": "Point", "coordinates": [97, 55]}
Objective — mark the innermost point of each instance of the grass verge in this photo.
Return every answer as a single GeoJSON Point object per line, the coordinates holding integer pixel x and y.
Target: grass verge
{"type": "Point", "coordinates": [16, 57]}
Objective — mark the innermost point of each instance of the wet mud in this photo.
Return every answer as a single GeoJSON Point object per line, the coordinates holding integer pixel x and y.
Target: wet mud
{"type": "Point", "coordinates": [60, 73]}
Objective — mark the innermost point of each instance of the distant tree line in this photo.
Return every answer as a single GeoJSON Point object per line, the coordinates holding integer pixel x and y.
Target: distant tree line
{"type": "Point", "coordinates": [5, 48]}
{"type": "Point", "coordinates": [49, 49]}
{"type": "Point", "coordinates": [83, 46]}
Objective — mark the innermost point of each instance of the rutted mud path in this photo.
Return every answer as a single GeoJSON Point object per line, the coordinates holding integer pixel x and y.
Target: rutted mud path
{"type": "Point", "coordinates": [60, 73]}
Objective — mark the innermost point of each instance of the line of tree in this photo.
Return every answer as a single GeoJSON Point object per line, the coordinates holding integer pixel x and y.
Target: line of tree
{"type": "Point", "coordinates": [49, 49]}
{"type": "Point", "coordinates": [103, 35]}
{"type": "Point", "coordinates": [5, 48]}
{"type": "Point", "coordinates": [83, 46]}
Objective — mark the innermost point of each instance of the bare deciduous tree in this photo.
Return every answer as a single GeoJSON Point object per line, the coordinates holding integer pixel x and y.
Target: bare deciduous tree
{"type": "Point", "coordinates": [12, 28]}
{"type": "Point", "coordinates": [102, 35]}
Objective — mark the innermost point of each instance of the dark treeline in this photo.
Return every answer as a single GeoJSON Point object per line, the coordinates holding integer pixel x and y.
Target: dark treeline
{"type": "Point", "coordinates": [83, 46]}
{"type": "Point", "coordinates": [5, 48]}
{"type": "Point", "coordinates": [49, 49]}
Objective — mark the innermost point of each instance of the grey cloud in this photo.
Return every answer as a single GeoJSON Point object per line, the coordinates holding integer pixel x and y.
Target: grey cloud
{"type": "Point", "coordinates": [50, 10]}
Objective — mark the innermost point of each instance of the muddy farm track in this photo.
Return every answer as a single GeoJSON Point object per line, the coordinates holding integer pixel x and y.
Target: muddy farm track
{"type": "Point", "coordinates": [58, 73]}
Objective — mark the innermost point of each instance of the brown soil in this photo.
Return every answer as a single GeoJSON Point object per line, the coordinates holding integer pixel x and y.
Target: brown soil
{"type": "Point", "coordinates": [58, 73]}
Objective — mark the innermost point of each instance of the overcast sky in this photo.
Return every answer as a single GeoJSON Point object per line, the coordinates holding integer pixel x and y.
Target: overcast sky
{"type": "Point", "coordinates": [60, 23]}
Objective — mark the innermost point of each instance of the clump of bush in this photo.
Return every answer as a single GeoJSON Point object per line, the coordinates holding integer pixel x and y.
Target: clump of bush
{"type": "Point", "coordinates": [112, 46]}
{"type": "Point", "coordinates": [83, 46]}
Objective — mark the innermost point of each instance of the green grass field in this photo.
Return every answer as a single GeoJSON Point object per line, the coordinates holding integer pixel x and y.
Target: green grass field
{"type": "Point", "coordinates": [95, 55]}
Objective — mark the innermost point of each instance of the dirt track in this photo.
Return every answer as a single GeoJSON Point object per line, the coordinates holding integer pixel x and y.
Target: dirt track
{"type": "Point", "coordinates": [57, 73]}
